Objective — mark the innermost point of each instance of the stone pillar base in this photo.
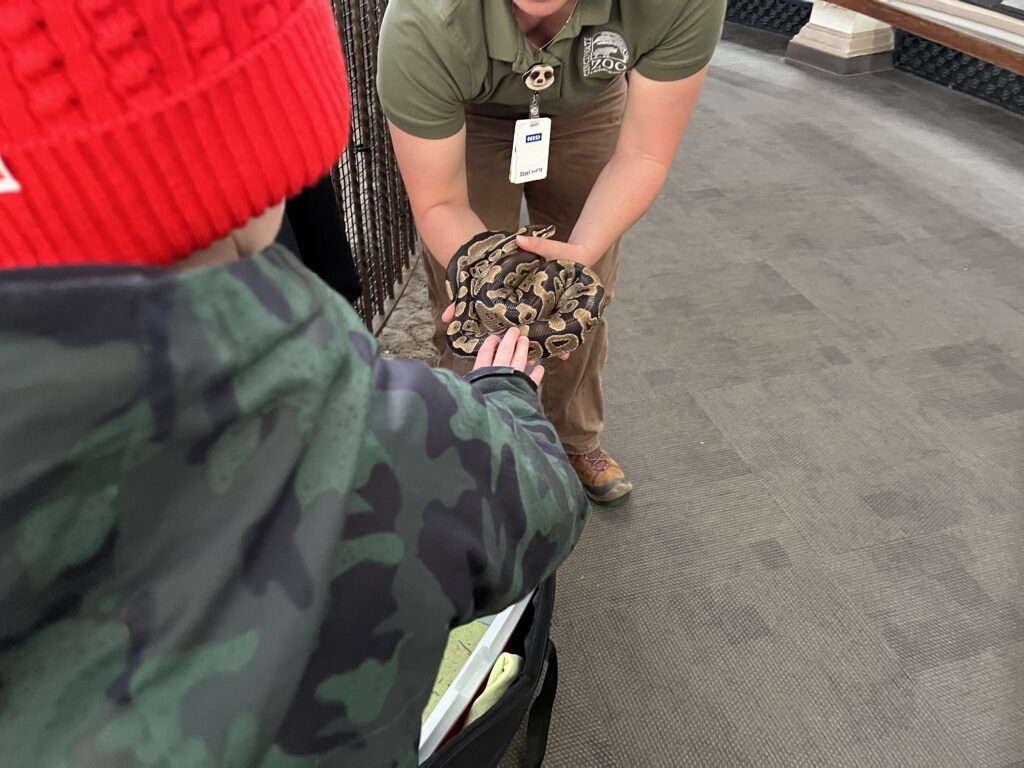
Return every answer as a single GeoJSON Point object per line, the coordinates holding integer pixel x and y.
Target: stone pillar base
{"type": "Point", "coordinates": [842, 42]}
{"type": "Point", "coordinates": [804, 56]}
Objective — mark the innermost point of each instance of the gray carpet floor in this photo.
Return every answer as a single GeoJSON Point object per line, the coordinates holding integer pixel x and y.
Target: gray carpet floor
{"type": "Point", "coordinates": [817, 383]}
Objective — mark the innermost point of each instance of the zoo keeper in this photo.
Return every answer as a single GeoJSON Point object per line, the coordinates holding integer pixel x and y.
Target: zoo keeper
{"type": "Point", "coordinates": [456, 76]}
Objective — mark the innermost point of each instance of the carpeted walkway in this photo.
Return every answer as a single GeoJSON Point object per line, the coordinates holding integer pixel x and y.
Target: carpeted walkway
{"type": "Point", "coordinates": [817, 382]}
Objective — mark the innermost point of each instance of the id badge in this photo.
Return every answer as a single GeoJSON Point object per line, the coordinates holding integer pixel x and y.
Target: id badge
{"type": "Point", "coordinates": [530, 150]}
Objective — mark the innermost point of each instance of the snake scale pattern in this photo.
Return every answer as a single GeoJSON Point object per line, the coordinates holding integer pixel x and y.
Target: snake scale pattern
{"type": "Point", "coordinates": [496, 286]}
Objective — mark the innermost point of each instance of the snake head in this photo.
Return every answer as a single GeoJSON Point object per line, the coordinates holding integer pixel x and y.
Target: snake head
{"type": "Point", "coordinates": [546, 232]}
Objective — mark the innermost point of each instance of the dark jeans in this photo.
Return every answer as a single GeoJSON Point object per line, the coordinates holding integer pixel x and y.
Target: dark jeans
{"type": "Point", "coordinates": [312, 229]}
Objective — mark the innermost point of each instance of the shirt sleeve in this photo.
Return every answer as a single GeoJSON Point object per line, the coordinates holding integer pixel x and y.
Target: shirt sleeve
{"type": "Point", "coordinates": [689, 42]}
{"type": "Point", "coordinates": [422, 75]}
{"type": "Point", "coordinates": [497, 505]}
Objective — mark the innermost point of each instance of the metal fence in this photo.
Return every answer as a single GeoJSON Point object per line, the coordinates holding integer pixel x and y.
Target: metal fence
{"type": "Point", "coordinates": [371, 196]}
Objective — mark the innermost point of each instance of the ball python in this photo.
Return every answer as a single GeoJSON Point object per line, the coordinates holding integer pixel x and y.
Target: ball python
{"type": "Point", "coordinates": [496, 286]}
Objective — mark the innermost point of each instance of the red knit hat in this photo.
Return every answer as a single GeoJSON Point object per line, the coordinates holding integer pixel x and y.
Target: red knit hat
{"type": "Point", "coordinates": [137, 132]}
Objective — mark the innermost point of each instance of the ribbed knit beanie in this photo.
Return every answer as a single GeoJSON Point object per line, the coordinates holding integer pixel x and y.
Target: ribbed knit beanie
{"type": "Point", "coordinates": [137, 132]}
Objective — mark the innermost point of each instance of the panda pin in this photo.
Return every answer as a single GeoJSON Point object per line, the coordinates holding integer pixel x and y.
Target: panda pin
{"type": "Point", "coordinates": [533, 135]}
{"type": "Point", "coordinates": [538, 78]}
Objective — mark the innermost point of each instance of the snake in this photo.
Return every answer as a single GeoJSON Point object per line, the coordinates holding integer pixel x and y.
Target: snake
{"type": "Point", "coordinates": [495, 286]}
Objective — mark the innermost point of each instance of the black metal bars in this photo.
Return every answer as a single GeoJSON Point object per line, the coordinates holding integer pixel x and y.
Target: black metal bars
{"type": "Point", "coordinates": [375, 210]}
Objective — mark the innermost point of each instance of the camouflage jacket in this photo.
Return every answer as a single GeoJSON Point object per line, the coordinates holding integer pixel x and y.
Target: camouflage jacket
{"type": "Point", "coordinates": [231, 534]}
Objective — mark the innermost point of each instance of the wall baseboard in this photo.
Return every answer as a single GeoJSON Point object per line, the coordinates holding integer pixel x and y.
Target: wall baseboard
{"type": "Point", "coordinates": [959, 71]}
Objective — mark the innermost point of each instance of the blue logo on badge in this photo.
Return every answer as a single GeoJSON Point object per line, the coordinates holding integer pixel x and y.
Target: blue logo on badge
{"type": "Point", "coordinates": [533, 138]}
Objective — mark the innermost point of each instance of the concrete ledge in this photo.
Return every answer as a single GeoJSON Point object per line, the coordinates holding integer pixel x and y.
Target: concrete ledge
{"type": "Point", "coordinates": [802, 55]}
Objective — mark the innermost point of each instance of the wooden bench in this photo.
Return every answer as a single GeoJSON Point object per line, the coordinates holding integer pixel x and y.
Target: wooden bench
{"type": "Point", "coordinates": [957, 39]}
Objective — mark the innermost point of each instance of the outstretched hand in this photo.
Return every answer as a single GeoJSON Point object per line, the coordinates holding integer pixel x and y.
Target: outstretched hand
{"type": "Point", "coordinates": [512, 350]}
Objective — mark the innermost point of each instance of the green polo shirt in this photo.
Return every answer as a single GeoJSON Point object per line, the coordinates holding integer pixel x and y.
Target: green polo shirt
{"type": "Point", "coordinates": [436, 56]}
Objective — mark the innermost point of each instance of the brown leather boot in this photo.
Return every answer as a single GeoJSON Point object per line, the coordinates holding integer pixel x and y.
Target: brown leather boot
{"type": "Point", "coordinates": [602, 477]}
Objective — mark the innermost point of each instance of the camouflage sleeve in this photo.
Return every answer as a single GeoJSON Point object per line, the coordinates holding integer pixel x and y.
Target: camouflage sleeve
{"type": "Point", "coordinates": [501, 505]}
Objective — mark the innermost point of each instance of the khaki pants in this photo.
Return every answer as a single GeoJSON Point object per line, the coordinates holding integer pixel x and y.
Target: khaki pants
{"type": "Point", "coordinates": [581, 145]}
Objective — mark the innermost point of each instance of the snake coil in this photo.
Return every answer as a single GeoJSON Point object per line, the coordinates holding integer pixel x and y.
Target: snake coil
{"type": "Point", "coordinates": [496, 286]}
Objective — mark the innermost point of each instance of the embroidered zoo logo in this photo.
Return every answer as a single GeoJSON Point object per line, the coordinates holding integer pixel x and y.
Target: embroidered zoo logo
{"type": "Point", "coordinates": [604, 53]}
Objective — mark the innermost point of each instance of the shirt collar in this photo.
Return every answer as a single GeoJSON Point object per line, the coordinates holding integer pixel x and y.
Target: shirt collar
{"type": "Point", "coordinates": [501, 30]}
{"type": "Point", "coordinates": [593, 13]}
{"type": "Point", "coordinates": [506, 43]}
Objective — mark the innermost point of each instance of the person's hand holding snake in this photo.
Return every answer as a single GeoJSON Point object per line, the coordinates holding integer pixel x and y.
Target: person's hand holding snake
{"type": "Point", "coordinates": [495, 283]}
{"type": "Point", "coordinates": [555, 250]}
{"type": "Point", "coordinates": [552, 250]}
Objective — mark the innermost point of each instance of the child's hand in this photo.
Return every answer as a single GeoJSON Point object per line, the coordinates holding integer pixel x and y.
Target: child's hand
{"type": "Point", "coordinates": [511, 351]}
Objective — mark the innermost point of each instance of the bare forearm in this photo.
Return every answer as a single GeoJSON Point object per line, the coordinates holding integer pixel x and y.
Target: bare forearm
{"type": "Point", "coordinates": [434, 172]}
{"type": "Point", "coordinates": [624, 191]}
{"type": "Point", "coordinates": [445, 228]}
{"type": "Point", "coordinates": [653, 125]}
